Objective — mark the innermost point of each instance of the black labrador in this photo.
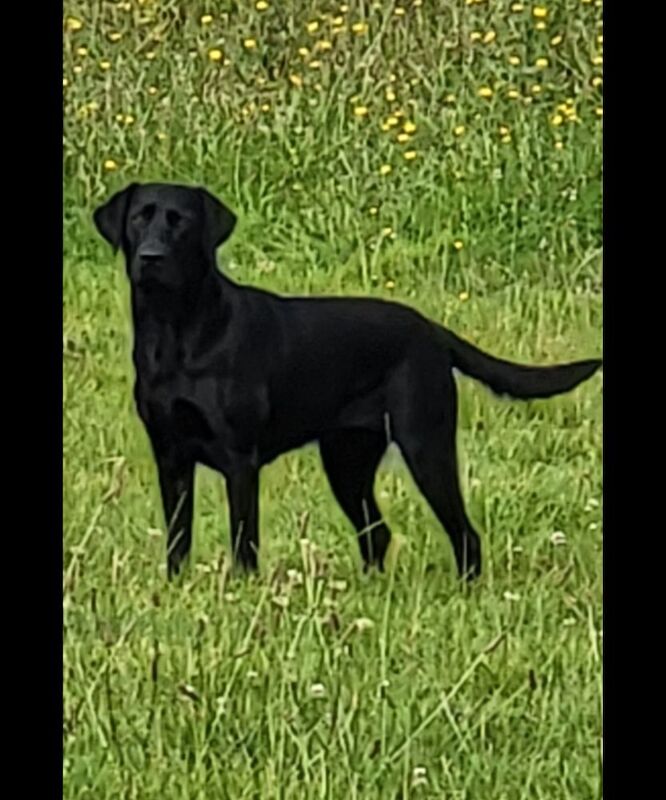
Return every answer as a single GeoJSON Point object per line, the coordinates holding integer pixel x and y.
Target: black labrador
{"type": "Point", "coordinates": [231, 377]}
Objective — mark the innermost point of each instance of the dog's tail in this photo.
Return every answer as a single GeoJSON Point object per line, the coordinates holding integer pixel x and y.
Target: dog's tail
{"type": "Point", "coordinates": [517, 380]}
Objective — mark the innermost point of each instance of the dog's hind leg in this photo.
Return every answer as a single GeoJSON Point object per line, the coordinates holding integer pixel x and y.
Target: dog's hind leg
{"type": "Point", "coordinates": [350, 459]}
{"type": "Point", "coordinates": [425, 429]}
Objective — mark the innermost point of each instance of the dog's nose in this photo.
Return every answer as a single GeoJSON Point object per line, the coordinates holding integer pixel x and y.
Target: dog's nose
{"type": "Point", "coordinates": [150, 253]}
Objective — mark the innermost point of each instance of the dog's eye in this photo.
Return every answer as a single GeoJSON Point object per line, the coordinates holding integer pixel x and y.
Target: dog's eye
{"type": "Point", "coordinates": [173, 218]}
{"type": "Point", "coordinates": [144, 215]}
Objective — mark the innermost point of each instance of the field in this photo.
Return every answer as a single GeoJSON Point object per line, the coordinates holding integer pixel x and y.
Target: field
{"type": "Point", "coordinates": [445, 154]}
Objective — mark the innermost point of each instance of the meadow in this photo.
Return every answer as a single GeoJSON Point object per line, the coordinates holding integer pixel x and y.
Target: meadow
{"type": "Point", "coordinates": [446, 154]}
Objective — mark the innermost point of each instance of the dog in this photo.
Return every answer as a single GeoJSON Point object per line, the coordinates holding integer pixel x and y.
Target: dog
{"type": "Point", "coordinates": [231, 377]}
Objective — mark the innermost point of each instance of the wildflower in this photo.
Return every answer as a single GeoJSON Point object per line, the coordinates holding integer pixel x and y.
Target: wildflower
{"type": "Point", "coordinates": [324, 44]}
{"type": "Point", "coordinates": [110, 165]}
{"type": "Point", "coordinates": [485, 92]}
{"type": "Point", "coordinates": [261, 5]}
{"type": "Point", "coordinates": [249, 44]}
{"type": "Point", "coordinates": [360, 111]}
{"type": "Point", "coordinates": [559, 145]}
{"type": "Point", "coordinates": [152, 90]}
{"type": "Point", "coordinates": [597, 81]}
{"type": "Point", "coordinates": [475, 36]}
{"type": "Point", "coordinates": [506, 139]}
{"type": "Point", "coordinates": [450, 98]}
{"type": "Point", "coordinates": [77, 69]}
{"type": "Point", "coordinates": [541, 63]}
{"type": "Point", "coordinates": [458, 244]}
{"type": "Point", "coordinates": [385, 169]}
{"type": "Point", "coordinates": [517, 8]}
{"type": "Point", "coordinates": [161, 135]}
{"type": "Point", "coordinates": [115, 36]}
{"type": "Point", "coordinates": [73, 24]}
{"type": "Point", "coordinates": [556, 40]}
{"type": "Point", "coordinates": [312, 27]}
{"type": "Point", "coordinates": [296, 80]}
{"type": "Point", "coordinates": [82, 51]}
{"type": "Point", "coordinates": [104, 65]}
{"type": "Point", "coordinates": [215, 55]}
{"type": "Point", "coordinates": [265, 107]}
{"type": "Point", "coordinates": [489, 37]}
{"type": "Point", "coordinates": [536, 89]}
{"type": "Point", "coordinates": [459, 130]}
{"type": "Point", "coordinates": [598, 61]}
{"type": "Point", "coordinates": [403, 137]}
{"type": "Point", "coordinates": [513, 94]}
{"type": "Point", "coordinates": [463, 296]}
{"type": "Point", "coordinates": [315, 64]}
{"type": "Point", "coordinates": [390, 95]}
{"type": "Point", "coordinates": [373, 211]}
{"type": "Point", "coordinates": [390, 285]}
{"type": "Point", "coordinates": [514, 60]}
{"type": "Point", "coordinates": [65, 83]}
{"type": "Point", "coordinates": [599, 111]}
{"type": "Point", "coordinates": [360, 28]}
{"type": "Point", "coordinates": [399, 11]}
{"type": "Point", "coordinates": [539, 12]}
{"type": "Point", "coordinates": [540, 26]}
{"type": "Point", "coordinates": [410, 155]}
{"type": "Point", "coordinates": [556, 120]}
{"type": "Point", "coordinates": [409, 127]}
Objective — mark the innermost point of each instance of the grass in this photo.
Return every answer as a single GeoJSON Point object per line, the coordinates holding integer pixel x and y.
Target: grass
{"type": "Point", "coordinates": [312, 680]}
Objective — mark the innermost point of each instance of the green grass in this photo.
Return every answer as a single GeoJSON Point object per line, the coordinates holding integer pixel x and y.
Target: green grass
{"type": "Point", "coordinates": [313, 680]}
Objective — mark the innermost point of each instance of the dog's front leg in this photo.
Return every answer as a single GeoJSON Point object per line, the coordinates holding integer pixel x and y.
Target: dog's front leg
{"type": "Point", "coordinates": [243, 493]}
{"type": "Point", "coordinates": [176, 477]}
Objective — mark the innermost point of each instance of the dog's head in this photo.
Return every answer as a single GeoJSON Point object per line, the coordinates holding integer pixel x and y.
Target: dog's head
{"type": "Point", "coordinates": [168, 233]}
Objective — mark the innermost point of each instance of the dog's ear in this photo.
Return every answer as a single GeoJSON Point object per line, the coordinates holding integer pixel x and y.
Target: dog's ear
{"type": "Point", "coordinates": [110, 218]}
{"type": "Point", "coordinates": [219, 221]}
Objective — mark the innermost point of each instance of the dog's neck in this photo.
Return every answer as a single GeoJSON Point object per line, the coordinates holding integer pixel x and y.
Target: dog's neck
{"type": "Point", "coordinates": [182, 308]}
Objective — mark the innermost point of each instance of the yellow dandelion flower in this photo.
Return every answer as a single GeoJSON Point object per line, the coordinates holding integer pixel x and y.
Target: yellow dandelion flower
{"type": "Point", "coordinates": [506, 139]}
{"type": "Point", "coordinates": [600, 38]}
{"type": "Point", "coordinates": [559, 145]}
{"type": "Point", "coordinates": [387, 231]}
{"type": "Point", "coordinates": [385, 169]}
{"type": "Point", "coordinates": [599, 111]}
{"type": "Point", "coordinates": [556, 40]}
{"type": "Point", "coordinates": [390, 284]}
{"type": "Point", "coordinates": [403, 137]}
{"type": "Point", "coordinates": [104, 65]}
{"type": "Point", "coordinates": [556, 119]}
{"type": "Point", "coordinates": [513, 94]}
{"type": "Point", "coordinates": [265, 107]}
{"type": "Point", "coordinates": [489, 37]}
{"type": "Point", "coordinates": [391, 122]}
{"type": "Point", "coordinates": [503, 130]}
{"type": "Point", "coordinates": [409, 127]}
{"type": "Point", "coordinates": [450, 98]}
{"type": "Point", "coordinates": [539, 12]}
{"type": "Point", "coordinates": [410, 155]}
{"type": "Point", "coordinates": [152, 90]}
{"type": "Point", "coordinates": [303, 51]}
{"type": "Point", "coordinates": [399, 11]}
{"type": "Point", "coordinates": [150, 55]}
{"type": "Point", "coordinates": [463, 296]}
{"type": "Point", "coordinates": [475, 36]}
{"type": "Point", "coordinates": [338, 21]}
{"type": "Point", "coordinates": [110, 165]}
{"type": "Point", "coordinates": [390, 95]}
{"type": "Point", "coordinates": [82, 51]}
{"type": "Point", "coordinates": [296, 80]}
{"type": "Point", "coordinates": [161, 135]}
{"type": "Point", "coordinates": [261, 5]}
{"type": "Point", "coordinates": [458, 244]}
{"type": "Point", "coordinates": [373, 211]}
{"type": "Point", "coordinates": [417, 3]}
{"type": "Point", "coordinates": [485, 92]}
{"type": "Point", "coordinates": [535, 89]}
{"type": "Point", "coordinates": [344, 8]}
{"type": "Point", "coordinates": [514, 60]}
{"type": "Point", "coordinates": [360, 28]}
{"type": "Point", "coordinates": [77, 69]}
{"type": "Point", "coordinates": [459, 130]}
{"type": "Point", "coordinates": [206, 19]}
{"type": "Point", "coordinates": [324, 44]}
{"type": "Point", "coordinates": [115, 36]}
{"type": "Point", "coordinates": [541, 63]}
{"type": "Point", "coordinates": [540, 26]}
{"type": "Point", "coordinates": [598, 61]}
{"type": "Point", "coordinates": [597, 81]}
{"type": "Point", "coordinates": [249, 44]}
{"type": "Point", "coordinates": [384, 126]}
{"type": "Point", "coordinates": [73, 24]}
{"type": "Point", "coordinates": [361, 111]}
{"type": "Point", "coordinates": [65, 83]}
{"type": "Point", "coordinates": [315, 64]}
{"type": "Point", "coordinates": [517, 8]}
{"type": "Point", "coordinates": [215, 55]}
{"type": "Point", "coordinates": [312, 27]}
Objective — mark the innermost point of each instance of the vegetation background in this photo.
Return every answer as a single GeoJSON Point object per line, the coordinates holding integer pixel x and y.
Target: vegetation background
{"type": "Point", "coordinates": [443, 153]}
